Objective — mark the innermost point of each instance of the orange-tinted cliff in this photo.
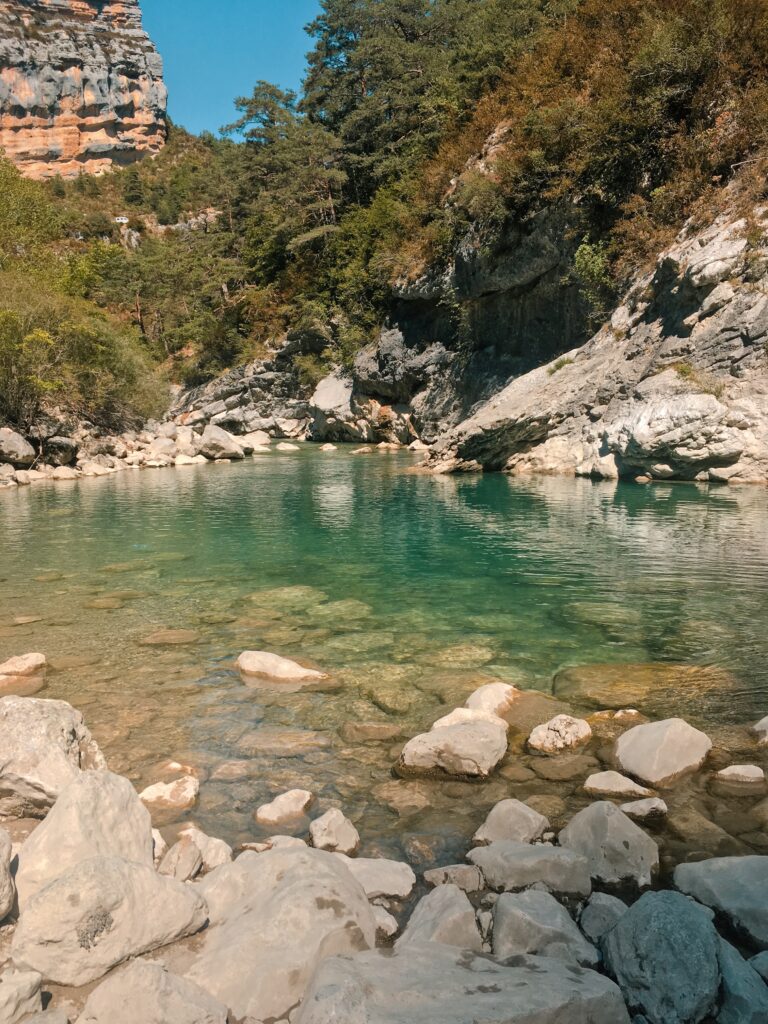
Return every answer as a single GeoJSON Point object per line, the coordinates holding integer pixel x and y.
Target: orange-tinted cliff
{"type": "Point", "coordinates": [81, 86]}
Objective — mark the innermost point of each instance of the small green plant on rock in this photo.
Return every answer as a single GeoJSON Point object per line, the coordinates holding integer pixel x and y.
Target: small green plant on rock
{"type": "Point", "coordinates": [559, 364]}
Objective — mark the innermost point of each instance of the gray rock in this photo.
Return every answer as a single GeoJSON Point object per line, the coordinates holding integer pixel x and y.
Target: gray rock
{"type": "Point", "coordinates": [664, 954]}
{"type": "Point", "coordinates": [148, 993]}
{"type": "Point", "coordinates": [759, 963]}
{"type": "Point", "coordinates": [507, 866]}
{"type": "Point", "coordinates": [435, 984]}
{"type": "Point", "coordinates": [183, 861]}
{"type": "Point", "coordinates": [97, 814]}
{"type": "Point", "coordinates": [273, 917]}
{"type": "Point", "coordinates": [736, 887]}
{"type": "Point", "coordinates": [380, 877]}
{"type": "Point", "coordinates": [14, 449]}
{"type": "Point", "coordinates": [660, 752]}
{"type": "Point", "coordinates": [19, 994]}
{"type": "Point", "coordinates": [512, 819]}
{"type": "Point", "coordinates": [616, 848]}
{"type": "Point", "coordinates": [443, 915]}
{"type": "Point", "coordinates": [45, 745]}
{"type": "Point", "coordinates": [744, 994]}
{"type": "Point", "coordinates": [534, 922]}
{"type": "Point", "coordinates": [217, 443]}
{"type": "Point", "coordinates": [60, 451]}
{"type": "Point", "coordinates": [600, 914]}
{"type": "Point", "coordinates": [467, 877]}
{"type": "Point", "coordinates": [470, 749]}
{"type": "Point", "coordinates": [7, 884]}
{"type": "Point", "coordinates": [98, 914]}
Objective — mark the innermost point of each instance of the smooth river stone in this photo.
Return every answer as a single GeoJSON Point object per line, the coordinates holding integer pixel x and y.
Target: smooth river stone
{"type": "Point", "coordinates": [621, 686]}
{"type": "Point", "coordinates": [272, 666]}
{"type": "Point", "coordinates": [660, 752]}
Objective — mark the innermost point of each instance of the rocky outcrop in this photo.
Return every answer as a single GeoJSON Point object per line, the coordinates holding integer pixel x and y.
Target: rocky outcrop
{"type": "Point", "coordinates": [81, 86]}
{"type": "Point", "coordinates": [674, 386]}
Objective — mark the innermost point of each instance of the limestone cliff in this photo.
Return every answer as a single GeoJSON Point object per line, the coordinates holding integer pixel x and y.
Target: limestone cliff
{"type": "Point", "coordinates": [81, 86]}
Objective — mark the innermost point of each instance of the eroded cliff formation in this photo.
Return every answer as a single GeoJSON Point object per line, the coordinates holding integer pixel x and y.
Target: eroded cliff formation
{"type": "Point", "coordinates": [81, 86]}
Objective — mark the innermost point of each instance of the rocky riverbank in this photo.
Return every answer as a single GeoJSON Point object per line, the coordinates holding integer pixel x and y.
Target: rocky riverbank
{"type": "Point", "coordinates": [118, 908]}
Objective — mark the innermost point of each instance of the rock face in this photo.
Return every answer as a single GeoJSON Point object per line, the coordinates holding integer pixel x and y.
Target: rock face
{"type": "Point", "coordinates": [673, 386]}
{"type": "Point", "coordinates": [431, 983]}
{"type": "Point", "coordinates": [81, 86]}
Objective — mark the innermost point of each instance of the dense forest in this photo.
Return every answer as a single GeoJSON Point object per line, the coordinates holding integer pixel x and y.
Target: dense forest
{"type": "Point", "coordinates": [638, 113]}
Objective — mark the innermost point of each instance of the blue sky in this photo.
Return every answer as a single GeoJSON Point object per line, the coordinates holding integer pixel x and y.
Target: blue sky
{"type": "Point", "coordinates": [215, 50]}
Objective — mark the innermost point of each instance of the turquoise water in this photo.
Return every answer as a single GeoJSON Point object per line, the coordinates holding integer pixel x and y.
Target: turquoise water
{"type": "Point", "coordinates": [421, 589]}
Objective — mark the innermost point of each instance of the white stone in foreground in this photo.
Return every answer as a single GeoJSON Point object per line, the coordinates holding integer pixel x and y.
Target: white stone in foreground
{"type": "Point", "coordinates": [98, 814]}
{"type": "Point", "coordinates": [563, 732]}
{"type": "Point", "coordinates": [614, 784]}
{"type": "Point", "coordinates": [444, 915]}
{"type": "Point", "coordinates": [436, 984]}
{"type": "Point", "coordinates": [273, 917]}
{"type": "Point", "coordinates": [470, 749]}
{"type": "Point", "coordinates": [512, 819]}
{"type": "Point", "coordinates": [44, 745]}
{"type": "Point", "coordinates": [98, 914]}
{"type": "Point", "coordinates": [497, 698]}
{"type": "Point", "coordinates": [179, 795]}
{"type": "Point", "coordinates": [147, 993]}
{"type": "Point", "coordinates": [614, 846]}
{"type": "Point", "coordinates": [262, 663]}
{"type": "Point", "coordinates": [286, 807]}
{"type": "Point", "coordinates": [23, 665]}
{"type": "Point", "coordinates": [335, 833]}
{"type": "Point", "coordinates": [381, 877]}
{"type": "Point", "coordinates": [660, 752]}
{"type": "Point", "coordinates": [19, 994]}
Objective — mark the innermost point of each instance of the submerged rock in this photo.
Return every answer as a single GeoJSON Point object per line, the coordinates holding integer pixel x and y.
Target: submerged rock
{"type": "Point", "coordinates": [430, 983]}
{"type": "Point", "coordinates": [619, 686]}
{"type": "Point", "coordinates": [534, 922]}
{"type": "Point", "coordinates": [272, 666]}
{"type": "Point", "coordinates": [660, 752]}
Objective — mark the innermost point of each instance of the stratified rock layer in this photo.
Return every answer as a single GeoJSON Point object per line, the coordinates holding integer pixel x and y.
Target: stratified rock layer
{"type": "Point", "coordinates": [81, 86]}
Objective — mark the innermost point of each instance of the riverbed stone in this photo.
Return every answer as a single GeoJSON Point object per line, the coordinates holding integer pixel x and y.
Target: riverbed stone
{"type": "Point", "coordinates": [217, 443]}
{"type": "Point", "coordinates": [176, 796]}
{"type": "Point", "coordinates": [614, 784]}
{"type": "Point", "coordinates": [534, 922]}
{"type": "Point", "coordinates": [444, 915]}
{"type": "Point", "coordinates": [619, 685]}
{"type": "Point", "coordinates": [286, 807]}
{"type": "Point", "coordinates": [617, 850]}
{"type": "Point", "coordinates": [599, 914]}
{"type": "Point", "coordinates": [701, 834]}
{"type": "Point", "coordinates": [663, 953]}
{"type": "Point", "coordinates": [19, 994]}
{"type": "Point", "coordinates": [467, 877]}
{"type": "Point", "coordinates": [147, 992]}
{"type": "Point", "coordinates": [744, 994]}
{"type": "Point", "coordinates": [508, 866]}
{"type": "Point", "coordinates": [651, 809]}
{"type": "Point", "coordinates": [563, 767]}
{"type": "Point", "coordinates": [15, 449]}
{"type": "Point", "coordinates": [511, 819]}
{"type": "Point", "coordinates": [97, 814]}
{"type": "Point", "coordinates": [99, 913]}
{"type": "Point", "coordinates": [24, 665]}
{"type": "Point", "coordinates": [273, 917]}
{"type": "Point", "coordinates": [472, 750]}
{"type": "Point", "coordinates": [563, 732]}
{"type": "Point", "coordinates": [659, 753]}
{"type": "Point", "coordinates": [333, 832]}
{"type": "Point", "coordinates": [736, 887]}
{"type": "Point", "coordinates": [430, 983]}
{"type": "Point", "coordinates": [272, 666]}
{"type": "Point", "coordinates": [183, 861]}
{"type": "Point", "coordinates": [45, 745]}
{"type": "Point", "coordinates": [381, 877]}
{"type": "Point", "coordinates": [739, 780]}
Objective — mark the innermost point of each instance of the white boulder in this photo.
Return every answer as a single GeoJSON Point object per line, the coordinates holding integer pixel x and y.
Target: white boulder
{"type": "Point", "coordinates": [467, 877]}
{"type": "Point", "coordinates": [24, 665]}
{"type": "Point", "coordinates": [651, 809]}
{"type": "Point", "coordinates": [508, 866]}
{"type": "Point", "coordinates": [380, 877]}
{"type": "Point", "coordinates": [614, 784]}
{"type": "Point", "coordinates": [760, 730]}
{"type": "Point", "coordinates": [443, 915]}
{"type": "Point", "coordinates": [599, 914]}
{"type": "Point", "coordinates": [534, 922]}
{"type": "Point", "coordinates": [471, 749]}
{"type": "Point", "coordinates": [512, 819]}
{"type": "Point", "coordinates": [7, 884]}
{"type": "Point", "coordinates": [286, 807]}
{"type": "Point", "coordinates": [616, 849]}
{"type": "Point", "coordinates": [272, 666]}
{"type": "Point", "coordinates": [183, 861]}
{"type": "Point", "coordinates": [497, 698]}
{"type": "Point", "coordinates": [333, 832]}
{"type": "Point", "coordinates": [179, 795]}
{"type": "Point", "coordinates": [563, 732]}
{"type": "Point", "coordinates": [659, 753]}
{"type": "Point", "coordinates": [217, 443]}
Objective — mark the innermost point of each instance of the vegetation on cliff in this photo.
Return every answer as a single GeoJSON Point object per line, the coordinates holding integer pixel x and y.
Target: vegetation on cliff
{"type": "Point", "coordinates": [424, 126]}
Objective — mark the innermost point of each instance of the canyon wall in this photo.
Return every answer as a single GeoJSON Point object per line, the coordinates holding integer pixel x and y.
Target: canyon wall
{"type": "Point", "coordinates": [81, 86]}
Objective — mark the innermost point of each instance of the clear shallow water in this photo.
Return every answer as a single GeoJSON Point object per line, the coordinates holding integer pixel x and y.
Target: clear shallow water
{"type": "Point", "coordinates": [422, 589]}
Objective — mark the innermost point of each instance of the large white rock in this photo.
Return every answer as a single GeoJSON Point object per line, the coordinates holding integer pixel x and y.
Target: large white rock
{"type": "Point", "coordinates": [563, 732]}
{"type": "Point", "coordinates": [97, 815]}
{"type": "Point", "coordinates": [217, 443]}
{"type": "Point", "coordinates": [470, 749]}
{"type": "Point", "coordinates": [179, 795]}
{"type": "Point", "coordinates": [23, 665]}
{"type": "Point", "coordinates": [333, 832]}
{"type": "Point", "coordinates": [660, 752]}
{"type": "Point", "coordinates": [735, 886]}
{"type": "Point", "coordinates": [496, 698]}
{"type": "Point", "coordinates": [534, 922]}
{"type": "Point", "coordinates": [15, 449]}
{"type": "Point", "coordinates": [512, 819]}
{"type": "Point", "coordinates": [98, 914]}
{"type": "Point", "coordinates": [443, 915]}
{"type": "Point", "coordinates": [147, 993]}
{"type": "Point", "coordinates": [19, 994]}
{"type": "Point", "coordinates": [273, 917]}
{"type": "Point", "coordinates": [614, 784]}
{"type": "Point", "coordinates": [272, 666]}
{"type": "Point", "coordinates": [617, 850]}
{"type": "Point", "coordinates": [7, 884]}
{"type": "Point", "coordinates": [285, 807]}
{"type": "Point", "coordinates": [436, 984]}
{"type": "Point", "coordinates": [381, 877]}
{"type": "Point", "coordinates": [44, 745]}
{"type": "Point", "coordinates": [508, 866]}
